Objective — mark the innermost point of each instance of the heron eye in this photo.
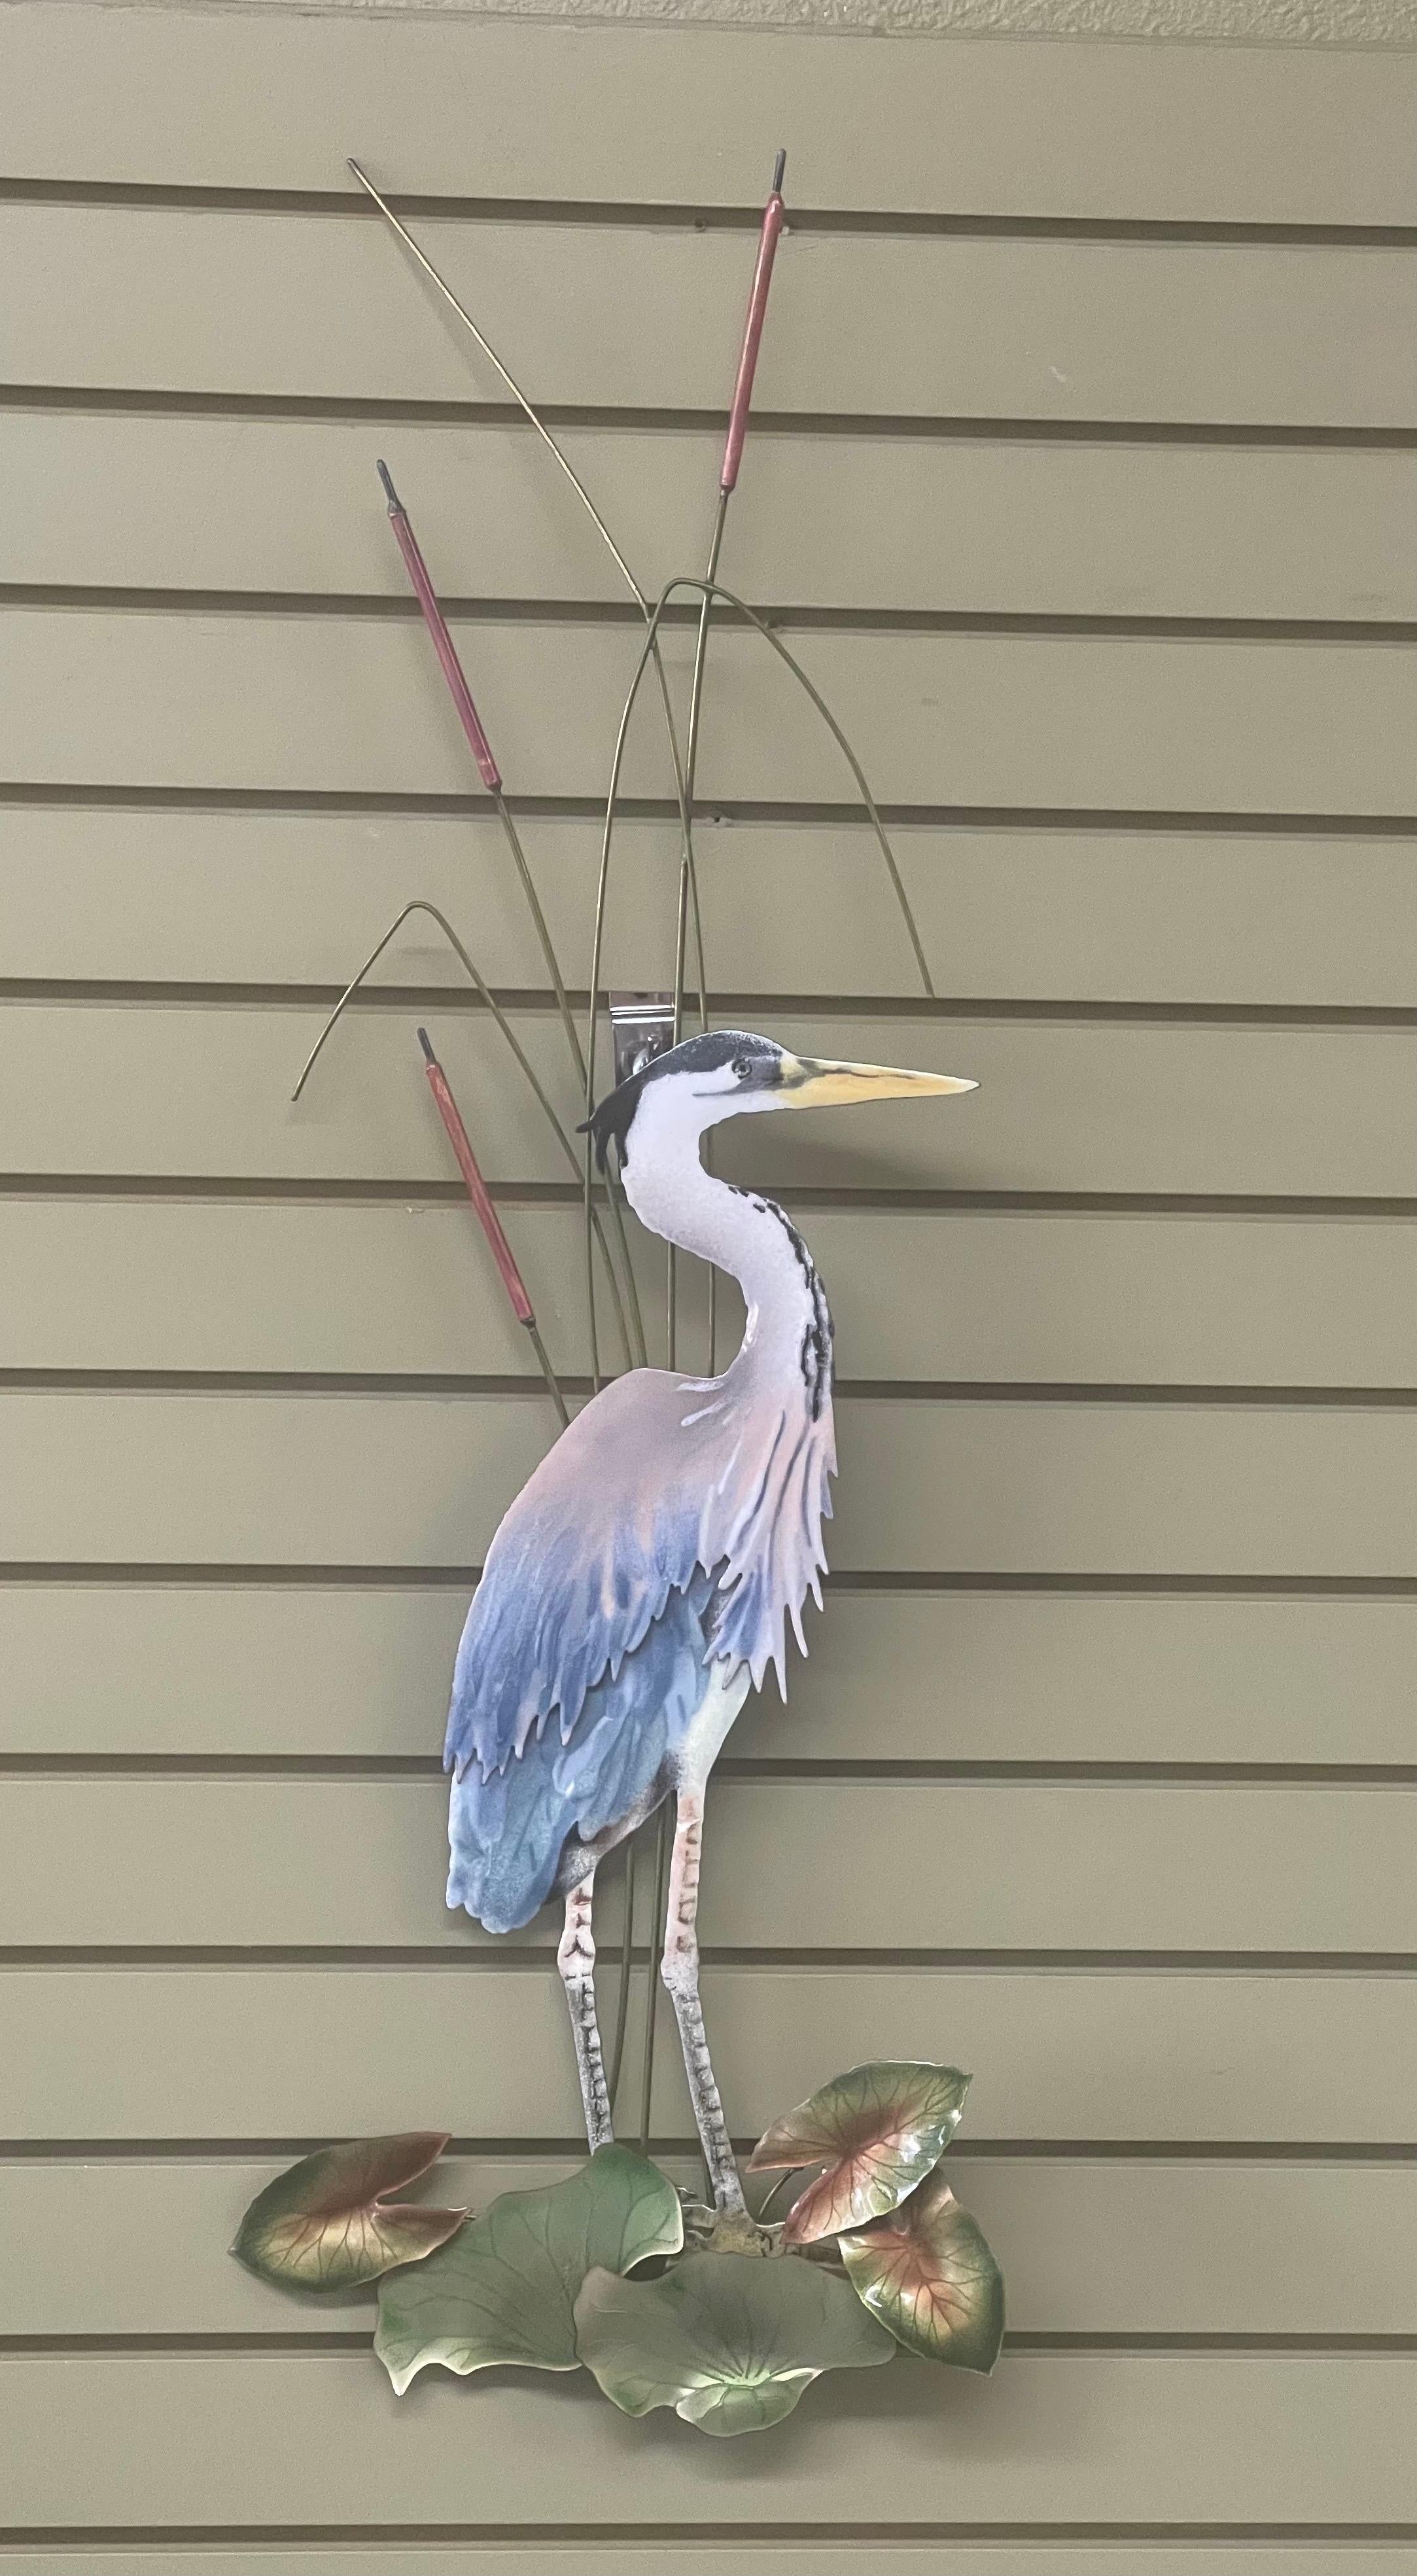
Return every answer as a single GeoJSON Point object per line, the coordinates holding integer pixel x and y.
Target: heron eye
{"type": "Point", "coordinates": [741, 1068]}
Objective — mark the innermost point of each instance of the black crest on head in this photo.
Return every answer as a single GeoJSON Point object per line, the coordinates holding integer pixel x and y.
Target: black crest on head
{"type": "Point", "coordinates": [614, 1116]}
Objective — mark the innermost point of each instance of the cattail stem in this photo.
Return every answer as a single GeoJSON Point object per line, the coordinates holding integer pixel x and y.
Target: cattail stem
{"type": "Point", "coordinates": [488, 1218]}
{"type": "Point", "coordinates": [491, 776]}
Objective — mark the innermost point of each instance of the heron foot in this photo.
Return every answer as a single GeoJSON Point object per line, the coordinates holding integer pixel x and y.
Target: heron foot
{"type": "Point", "coordinates": [724, 2231]}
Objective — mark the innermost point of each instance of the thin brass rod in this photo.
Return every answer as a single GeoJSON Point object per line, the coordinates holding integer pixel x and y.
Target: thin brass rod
{"type": "Point", "coordinates": [578, 1063]}
{"type": "Point", "coordinates": [552, 1381]}
{"type": "Point", "coordinates": [538, 917]}
{"type": "Point", "coordinates": [513, 1041]}
{"type": "Point", "coordinates": [694, 582]}
{"type": "Point", "coordinates": [554, 449]}
{"type": "Point", "coordinates": [493, 1230]}
{"type": "Point", "coordinates": [857, 772]}
{"type": "Point", "coordinates": [475, 734]}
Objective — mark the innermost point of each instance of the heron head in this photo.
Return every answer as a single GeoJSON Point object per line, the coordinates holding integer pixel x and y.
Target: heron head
{"type": "Point", "coordinates": [728, 1072]}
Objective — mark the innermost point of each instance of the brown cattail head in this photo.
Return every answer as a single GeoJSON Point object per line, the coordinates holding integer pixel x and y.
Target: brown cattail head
{"type": "Point", "coordinates": [443, 644]}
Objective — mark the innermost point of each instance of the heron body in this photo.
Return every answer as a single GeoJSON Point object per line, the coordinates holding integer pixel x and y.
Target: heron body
{"type": "Point", "coordinates": [648, 1572]}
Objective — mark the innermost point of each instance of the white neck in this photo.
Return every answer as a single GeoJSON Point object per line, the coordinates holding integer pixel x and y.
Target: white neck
{"type": "Point", "coordinates": [788, 1331]}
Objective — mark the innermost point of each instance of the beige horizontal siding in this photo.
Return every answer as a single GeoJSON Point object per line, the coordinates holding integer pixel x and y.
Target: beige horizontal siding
{"type": "Point", "coordinates": [287, 2052]}
{"type": "Point", "coordinates": [1036, 330]}
{"type": "Point", "coordinates": [1095, 2438]}
{"type": "Point", "coordinates": [1164, 882]}
{"type": "Point", "coordinates": [927, 1485]}
{"type": "Point", "coordinates": [1227, 134]}
{"type": "Point", "coordinates": [1165, 724]}
{"type": "Point", "coordinates": [291, 1864]}
{"type": "Point", "coordinates": [1005, 914]}
{"type": "Point", "coordinates": [257, 1672]}
{"type": "Point", "coordinates": [139, 2247]}
{"type": "Point", "coordinates": [717, 2558]}
{"type": "Point", "coordinates": [1048, 1298]}
{"type": "Point", "coordinates": [1015, 526]}
{"type": "Point", "coordinates": [180, 1091]}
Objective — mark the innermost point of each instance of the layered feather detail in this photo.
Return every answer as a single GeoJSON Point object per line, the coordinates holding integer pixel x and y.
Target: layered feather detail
{"type": "Point", "coordinates": [658, 1481]}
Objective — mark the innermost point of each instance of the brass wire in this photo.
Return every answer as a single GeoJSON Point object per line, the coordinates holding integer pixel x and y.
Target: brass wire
{"type": "Point", "coordinates": [418, 904]}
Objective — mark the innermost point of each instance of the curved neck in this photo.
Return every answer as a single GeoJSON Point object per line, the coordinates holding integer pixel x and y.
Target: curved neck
{"type": "Point", "coordinates": [788, 1331]}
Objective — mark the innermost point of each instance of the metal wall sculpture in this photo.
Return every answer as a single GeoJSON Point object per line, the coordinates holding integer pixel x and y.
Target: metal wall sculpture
{"type": "Point", "coordinates": [637, 1590]}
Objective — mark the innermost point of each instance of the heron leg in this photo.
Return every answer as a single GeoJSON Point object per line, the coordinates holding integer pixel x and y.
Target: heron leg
{"type": "Point", "coordinates": [680, 1971]}
{"type": "Point", "coordinates": [575, 1957]}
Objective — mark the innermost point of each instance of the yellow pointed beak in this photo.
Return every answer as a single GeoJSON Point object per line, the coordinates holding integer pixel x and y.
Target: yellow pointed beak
{"type": "Point", "coordinates": [816, 1082]}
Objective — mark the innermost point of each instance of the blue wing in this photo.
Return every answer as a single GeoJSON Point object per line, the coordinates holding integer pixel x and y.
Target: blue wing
{"type": "Point", "coordinates": [670, 1525]}
{"type": "Point", "coordinates": [580, 1570]}
{"type": "Point", "coordinates": [509, 1827]}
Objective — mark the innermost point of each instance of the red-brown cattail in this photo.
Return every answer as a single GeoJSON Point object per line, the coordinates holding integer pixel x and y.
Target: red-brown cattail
{"type": "Point", "coordinates": [773, 213]}
{"type": "Point", "coordinates": [443, 644]}
{"type": "Point", "coordinates": [477, 1189]}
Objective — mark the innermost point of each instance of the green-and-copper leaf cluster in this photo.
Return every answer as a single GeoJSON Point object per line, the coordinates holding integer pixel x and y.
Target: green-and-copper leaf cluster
{"type": "Point", "coordinates": [327, 2224]}
{"type": "Point", "coordinates": [729, 2338]}
{"type": "Point", "coordinates": [927, 2273]}
{"type": "Point", "coordinates": [877, 2131]}
{"type": "Point", "coordinates": [730, 2341]}
{"type": "Point", "coordinates": [506, 2289]}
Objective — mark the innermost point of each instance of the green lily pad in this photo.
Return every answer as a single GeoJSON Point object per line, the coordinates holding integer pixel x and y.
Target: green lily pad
{"type": "Point", "coordinates": [730, 2341]}
{"type": "Point", "coordinates": [878, 2130]}
{"type": "Point", "coordinates": [505, 2291]}
{"type": "Point", "coordinates": [927, 2273]}
{"type": "Point", "coordinates": [327, 2225]}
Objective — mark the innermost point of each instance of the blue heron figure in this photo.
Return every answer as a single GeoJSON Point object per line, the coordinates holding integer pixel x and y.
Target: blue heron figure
{"type": "Point", "coordinates": [642, 1581]}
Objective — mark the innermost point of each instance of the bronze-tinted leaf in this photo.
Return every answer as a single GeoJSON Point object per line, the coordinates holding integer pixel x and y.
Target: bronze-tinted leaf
{"type": "Point", "coordinates": [878, 2130]}
{"type": "Point", "coordinates": [730, 2341]}
{"type": "Point", "coordinates": [327, 2225]}
{"type": "Point", "coordinates": [505, 2290]}
{"type": "Point", "coordinates": [927, 2273]}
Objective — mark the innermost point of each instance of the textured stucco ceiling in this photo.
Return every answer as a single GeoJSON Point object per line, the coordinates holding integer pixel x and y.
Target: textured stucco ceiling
{"type": "Point", "coordinates": [1297, 22]}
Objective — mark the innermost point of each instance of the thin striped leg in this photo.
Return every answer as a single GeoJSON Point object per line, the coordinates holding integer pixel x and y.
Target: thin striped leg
{"type": "Point", "coordinates": [680, 1971]}
{"type": "Point", "coordinates": [575, 1957]}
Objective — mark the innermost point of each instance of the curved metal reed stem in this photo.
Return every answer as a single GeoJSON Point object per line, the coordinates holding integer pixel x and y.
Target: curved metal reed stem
{"type": "Point", "coordinates": [509, 1033]}
{"type": "Point", "coordinates": [665, 1832]}
{"type": "Point", "coordinates": [687, 861]}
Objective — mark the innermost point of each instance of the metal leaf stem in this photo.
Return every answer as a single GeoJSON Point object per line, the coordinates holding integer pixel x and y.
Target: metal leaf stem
{"type": "Point", "coordinates": [696, 583]}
